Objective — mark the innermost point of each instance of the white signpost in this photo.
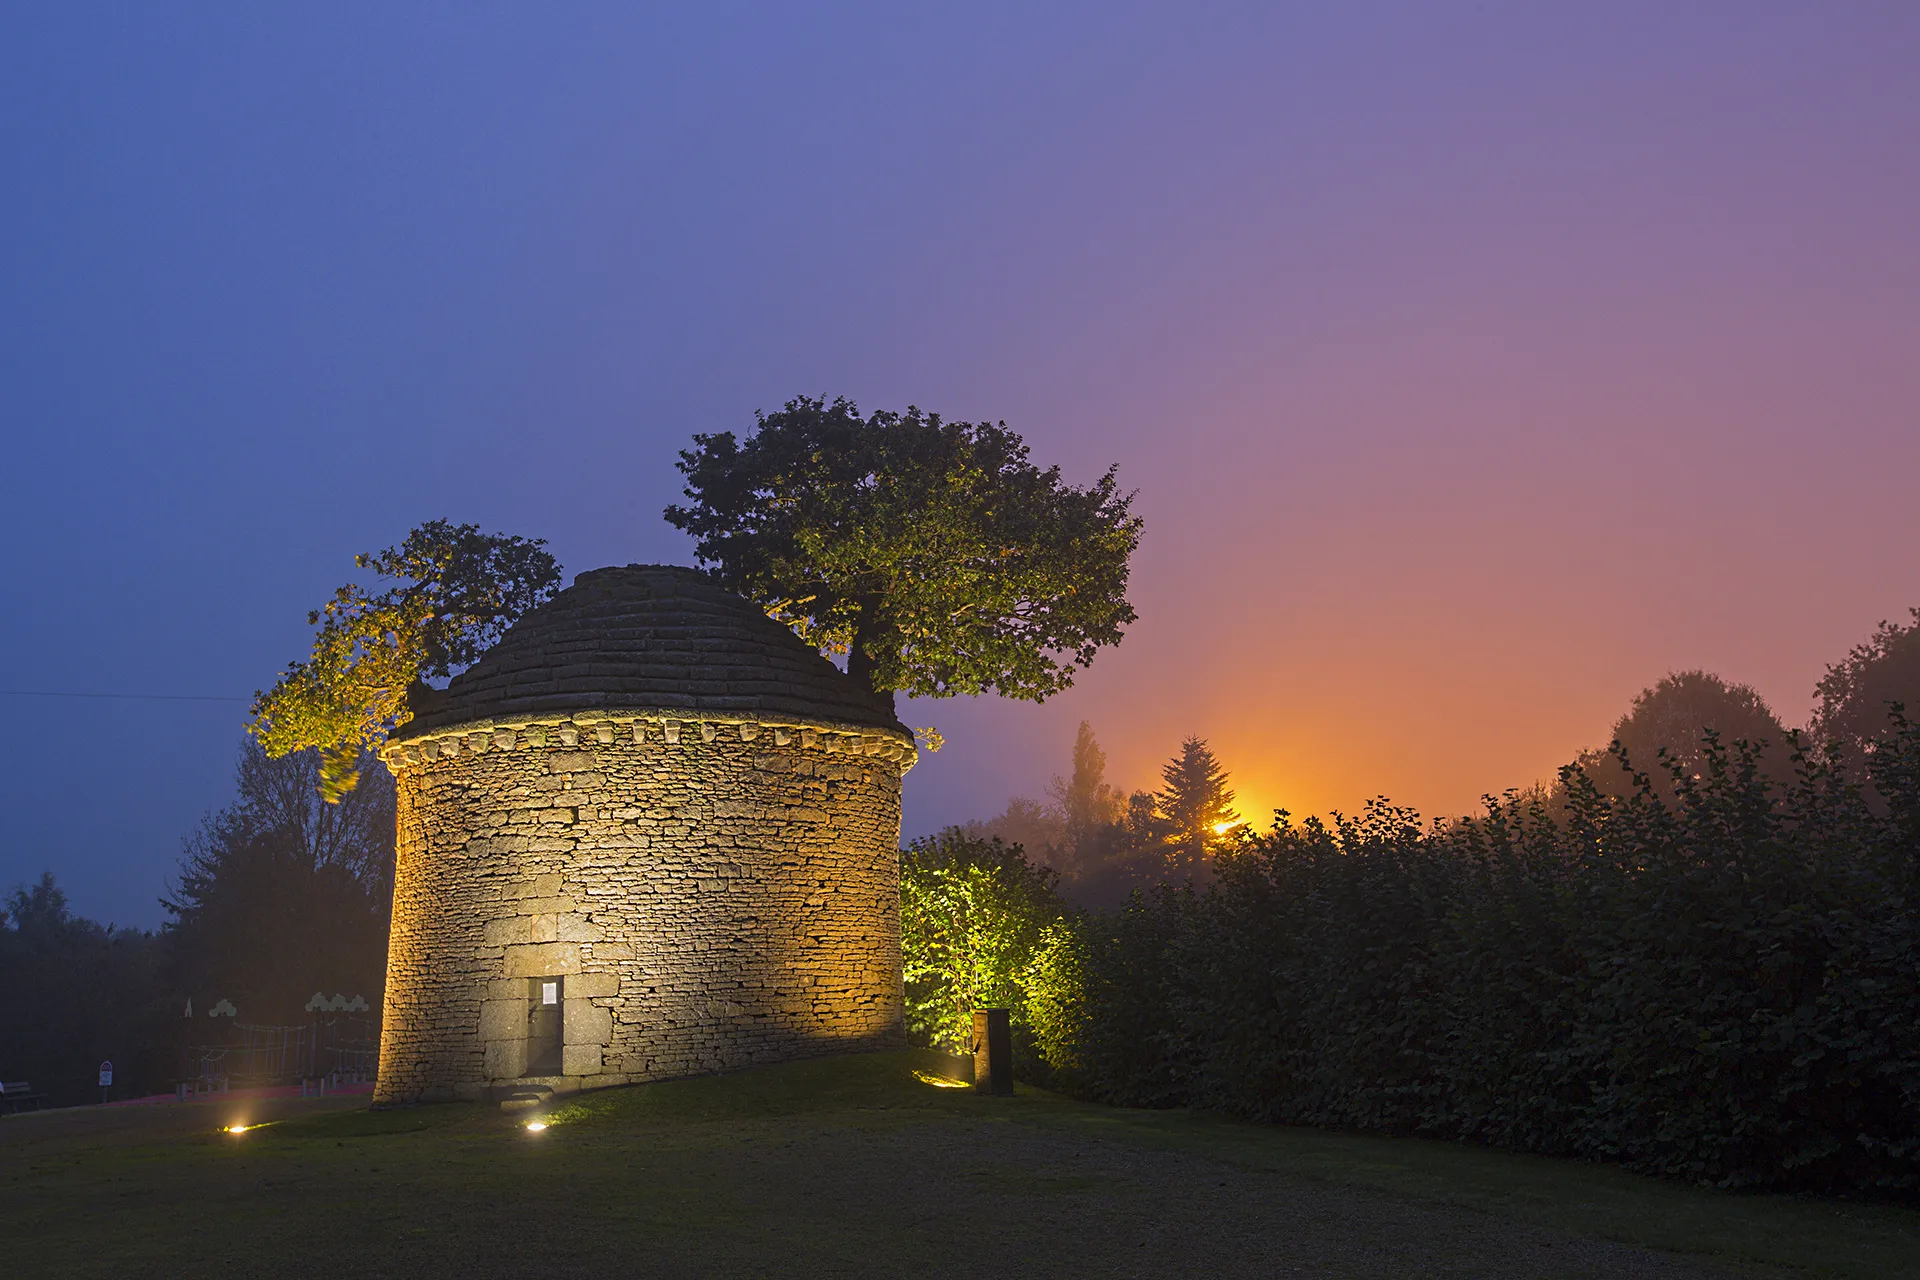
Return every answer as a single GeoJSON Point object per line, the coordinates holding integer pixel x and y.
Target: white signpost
{"type": "Point", "coordinates": [106, 1079]}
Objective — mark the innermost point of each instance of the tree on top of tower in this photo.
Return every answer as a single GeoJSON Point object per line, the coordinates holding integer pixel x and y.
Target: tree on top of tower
{"type": "Point", "coordinates": [458, 591]}
{"type": "Point", "coordinates": [933, 554]}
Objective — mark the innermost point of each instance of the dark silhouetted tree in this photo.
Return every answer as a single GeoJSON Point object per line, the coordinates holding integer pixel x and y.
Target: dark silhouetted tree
{"type": "Point", "coordinates": [933, 554]}
{"type": "Point", "coordinates": [1085, 802]}
{"type": "Point", "coordinates": [1675, 715]}
{"type": "Point", "coordinates": [1195, 806]}
{"type": "Point", "coordinates": [1026, 824]}
{"type": "Point", "coordinates": [72, 993]}
{"type": "Point", "coordinates": [283, 895]}
{"type": "Point", "coordinates": [1855, 696]}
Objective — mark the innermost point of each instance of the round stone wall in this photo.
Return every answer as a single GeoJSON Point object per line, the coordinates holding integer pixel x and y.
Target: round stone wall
{"type": "Point", "coordinates": [702, 894]}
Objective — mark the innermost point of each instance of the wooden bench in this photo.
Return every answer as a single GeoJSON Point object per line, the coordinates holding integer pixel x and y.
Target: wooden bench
{"type": "Point", "coordinates": [18, 1095]}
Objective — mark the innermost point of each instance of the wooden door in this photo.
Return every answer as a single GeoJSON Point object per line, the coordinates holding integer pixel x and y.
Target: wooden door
{"type": "Point", "coordinates": [544, 1032]}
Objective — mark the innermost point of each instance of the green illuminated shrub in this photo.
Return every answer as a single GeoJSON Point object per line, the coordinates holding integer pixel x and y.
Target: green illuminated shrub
{"type": "Point", "coordinates": [973, 915]}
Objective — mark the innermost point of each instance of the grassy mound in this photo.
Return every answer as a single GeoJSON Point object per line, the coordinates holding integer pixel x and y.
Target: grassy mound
{"type": "Point", "coordinates": [855, 1166]}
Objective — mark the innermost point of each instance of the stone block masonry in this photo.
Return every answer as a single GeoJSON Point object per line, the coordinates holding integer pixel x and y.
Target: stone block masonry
{"type": "Point", "coordinates": [710, 891]}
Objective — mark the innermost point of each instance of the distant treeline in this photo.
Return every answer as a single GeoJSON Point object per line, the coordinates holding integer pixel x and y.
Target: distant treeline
{"type": "Point", "coordinates": [1702, 961]}
{"type": "Point", "coordinates": [1105, 843]}
{"type": "Point", "coordinates": [277, 897]}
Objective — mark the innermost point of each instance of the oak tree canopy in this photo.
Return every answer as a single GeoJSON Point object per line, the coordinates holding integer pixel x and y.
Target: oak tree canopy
{"type": "Point", "coordinates": [935, 555]}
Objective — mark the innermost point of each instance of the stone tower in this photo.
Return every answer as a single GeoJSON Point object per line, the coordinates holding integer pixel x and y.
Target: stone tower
{"type": "Point", "coordinates": [649, 834]}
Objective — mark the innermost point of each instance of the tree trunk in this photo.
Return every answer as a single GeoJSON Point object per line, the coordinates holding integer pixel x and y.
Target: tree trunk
{"type": "Point", "coordinates": [860, 661]}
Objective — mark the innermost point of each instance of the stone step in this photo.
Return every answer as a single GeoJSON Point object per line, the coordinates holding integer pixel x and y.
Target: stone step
{"type": "Point", "coordinates": [526, 1097]}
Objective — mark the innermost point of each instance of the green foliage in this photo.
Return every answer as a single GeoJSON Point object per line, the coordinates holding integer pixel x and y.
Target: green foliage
{"type": "Point", "coordinates": [1714, 977]}
{"type": "Point", "coordinates": [932, 553]}
{"type": "Point", "coordinates": [459, 590]}
{"type": "Point", "coordinates": [973, 916]}
{"type": "Point", "coordinates": [1054, 1003]}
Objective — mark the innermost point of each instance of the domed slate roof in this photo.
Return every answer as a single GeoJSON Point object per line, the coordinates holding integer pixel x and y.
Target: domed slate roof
{"type": "Point", "coordinates": [650, 637]}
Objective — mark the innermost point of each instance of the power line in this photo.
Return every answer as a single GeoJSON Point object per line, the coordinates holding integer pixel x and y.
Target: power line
{"type": "Point", "coordinates": [138, 697]}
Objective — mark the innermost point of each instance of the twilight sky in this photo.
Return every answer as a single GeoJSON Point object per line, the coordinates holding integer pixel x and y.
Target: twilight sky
{"type": "Point", "coordinates": [1476, 364]}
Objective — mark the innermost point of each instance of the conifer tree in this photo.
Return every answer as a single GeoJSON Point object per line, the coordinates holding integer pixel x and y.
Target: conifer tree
{"type": "Point", "coordinates": [1195, 806]}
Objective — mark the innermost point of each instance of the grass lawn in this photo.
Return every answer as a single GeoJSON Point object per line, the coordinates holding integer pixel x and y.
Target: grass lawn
{"type": "Point", "coordinates": [855, 1167]}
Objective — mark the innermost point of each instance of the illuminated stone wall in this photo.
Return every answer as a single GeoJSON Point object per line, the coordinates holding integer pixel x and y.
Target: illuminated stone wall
{"type": "Point", "coordinates": [714, 893]}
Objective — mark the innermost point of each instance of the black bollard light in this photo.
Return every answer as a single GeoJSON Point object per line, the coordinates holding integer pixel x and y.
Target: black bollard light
{"type": "Point", "coordinates": [993, 1052]}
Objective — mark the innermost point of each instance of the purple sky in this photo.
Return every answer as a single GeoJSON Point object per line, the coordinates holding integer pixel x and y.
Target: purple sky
{"type": "Point", "coordinates": [1476, 364]}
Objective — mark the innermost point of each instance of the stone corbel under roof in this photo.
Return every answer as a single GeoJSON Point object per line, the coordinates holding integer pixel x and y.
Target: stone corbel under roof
{"type": "Point", "coordinates": [672, 726]}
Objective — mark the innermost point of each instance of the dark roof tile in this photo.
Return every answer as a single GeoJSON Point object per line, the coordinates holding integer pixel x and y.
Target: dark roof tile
{"type": "Point", "coordinates": [650, 636]}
